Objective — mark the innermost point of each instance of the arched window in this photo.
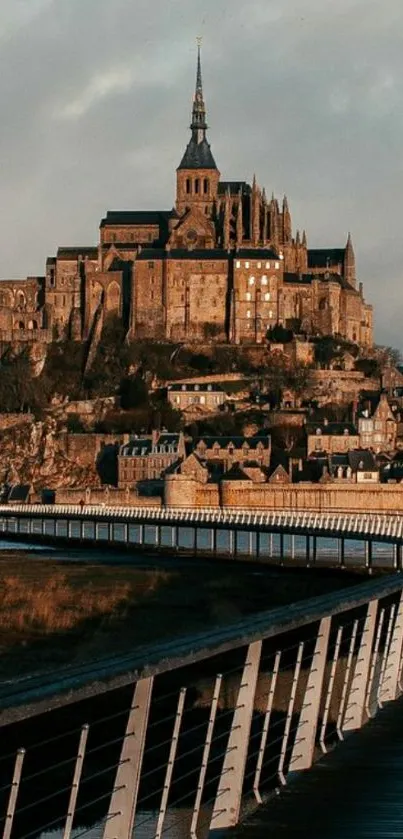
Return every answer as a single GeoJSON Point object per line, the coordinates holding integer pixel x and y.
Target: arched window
{"type": "Point", "coordinates": [188, 187]}
{"type": "Point", "coordinates": [197, 186]}
{"type": "Point", "coordinates": [205, 186]}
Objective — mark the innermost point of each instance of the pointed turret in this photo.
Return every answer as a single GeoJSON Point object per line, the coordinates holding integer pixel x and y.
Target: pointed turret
{"type": "Point", "coordinates": [274, 221]}
{"type": "Point", "coordinates": [287, 226]}
{"type": "Point", "coordinates": [349, 262]}
{"type": "Point", "coordinates": [227, 218]}
{"type": "Point", "coordinates": [304, 240]}
{"type": "Point", "coordinates": [256, 198]}
{"type": "Point", "coordinates": [265, 217]}
{"type": "Point", "coordinates": [239, 222]}
{"type": "Point", "coordinates": [297, 239]}
{"type": "Point", "coordinates": [197, 173]}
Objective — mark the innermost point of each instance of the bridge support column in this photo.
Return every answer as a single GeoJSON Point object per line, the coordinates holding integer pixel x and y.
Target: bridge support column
{"type": "Point", "coordinates": [293, 546]}
{"type": "Point", "coordinates": [341, 552]}
{"type": "Point", "coordinates": [314, 549]}
{"type": "Point", "coordinates": [368, 555]}
{"type": "Point", "coordinates": [304, 744]}
{"type": "Point", "coordinates": [397, 557]}
{"type": "Point", "coordinates": [389, 689]}
{"type": "Point", "coordinates": [122, 806]}
{"type": "Point", "coordinates": [157, 536]}
{"type": "Point", "coordinates": [141, 534]}
{"type": "Point", "coordinates": [258, 545]}
{"type": "Point", "coordinates": [110, 532]}
{"type": "Point", "coordinates": [125, 532]}
{"type": "Point", "coordinates": [213, 542]}
{"type": "Point", "coordinates": [231, 542]}
{"type": "Point", "coordinates": [308, 549]}
{"type": "Point", "coordinates": [354, 714]}
{"type": "Point", "coordinates": [227, 804]}
{"type": "Point", "coordinates": [281, 541]}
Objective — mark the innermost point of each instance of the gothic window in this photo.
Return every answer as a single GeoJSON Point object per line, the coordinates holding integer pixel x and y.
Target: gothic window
{"type": "Point", "coordinates": [205, 186]}
{"type": "Point", "coordinates": [197, 186]}
{"type": "Point", "coordinates": [188, 187]}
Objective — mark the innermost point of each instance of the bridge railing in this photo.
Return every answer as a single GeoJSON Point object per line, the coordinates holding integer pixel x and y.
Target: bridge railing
{"type": "Point", "coordinates": [191, 733]}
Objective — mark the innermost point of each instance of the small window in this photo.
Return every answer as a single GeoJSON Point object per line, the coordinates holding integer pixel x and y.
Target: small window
{"type": "Point", "coordinates": [264, 280]}
{"type": "Point", "coordinates": [248, 295]}
{"type": "Point", "coordinates": [205, 186]}
{"type": "Point", "coordinates": [197, 186]}
{"type": "Point", "coordinates": [237, 264]}
{"type": "Point", "coordinates": [151, 265]}
{"type": "Point", "coordinates": [251, 281]}
{"type": "Point", "coordinates": [197, 387]}
{"type": "Point", "coordinates": [248, 313]}
{"type": "Point", "coordinates": [267, 266]}
{"type": "Point", "coordinates": [271, 314]}
{"type": "Point", "coordinates": [277, 265]}
{"type": "Point", "coordinates": [188, 186]}
{"type": "Point", "coordinates": [267, 296]}
{"type": "Point", "coordinates": [259, 265]}
{"type": "Point", "coordinates": [183, 387]}
{"type": "Point", "coordinates": [246, 264]}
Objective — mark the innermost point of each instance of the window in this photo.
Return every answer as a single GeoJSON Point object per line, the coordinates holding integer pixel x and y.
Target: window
{"type": "Point", "coordinates": [270, 313]}
{"type": "Point", "coordinates": [151, 265]}
{"type": "Point", "coordinates": [267, 266]}
{"type": "Point", "coordinates": [251, 281]}
{"type": "Point", "coordinates": [188, 187]}
{"type": "Point", "coordinates": [277, 265]}
{"type": "Point", "coordinates": [197, 186]}
{"type": "Point", "coordinates": [248, 313]}
{"type": "Point", "coordinates": [259, 265]}
{"type": "Point", "coordinates": [264, 280]}
{"type": "Point", "coordinates": [150, 237]}
{"type": "Point", "coordinates": [248, 295]}
{"type": "Point", "coordinates": [205, 186]}
{"type": "Point", "coordinates": [267, 296]}
{"type": "Point", "coordinates": [246, 264]}
{"type": "Point", "coordinates": [237, 264]}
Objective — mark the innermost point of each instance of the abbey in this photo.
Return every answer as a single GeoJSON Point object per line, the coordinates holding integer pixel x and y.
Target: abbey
{"type": "Point", "coordinates": [223, 264]}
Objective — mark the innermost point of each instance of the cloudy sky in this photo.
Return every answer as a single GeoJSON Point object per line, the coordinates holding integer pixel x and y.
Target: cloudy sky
{"type": "Point", "coordinates": [95, 99]}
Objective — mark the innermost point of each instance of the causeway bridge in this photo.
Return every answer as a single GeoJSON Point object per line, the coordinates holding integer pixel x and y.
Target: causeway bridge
{"type": "Point", "coordinates": [335, 539]}
{"type": "Point", "coordinates": [288, 722]}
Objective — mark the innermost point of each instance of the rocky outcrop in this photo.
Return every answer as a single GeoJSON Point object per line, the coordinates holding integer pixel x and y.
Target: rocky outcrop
{"type": "Point", "coordinates": [36, 453]}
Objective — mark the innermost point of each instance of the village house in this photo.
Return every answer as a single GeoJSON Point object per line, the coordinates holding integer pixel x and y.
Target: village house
{"type": "Point", "coordinates": [189, 396]}
{"type": "Point", "coordinates": [148, 457]}
{"type": "Point", "coordinates": [234, 449]}
{"type": "Point", "coordinates": [379, 431]}
{"type": "Point", "coordinates": [331, 437]}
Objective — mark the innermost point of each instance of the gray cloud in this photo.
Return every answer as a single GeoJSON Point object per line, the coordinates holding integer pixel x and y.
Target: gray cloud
{"type": "Point", "coordinates": [95, 100]}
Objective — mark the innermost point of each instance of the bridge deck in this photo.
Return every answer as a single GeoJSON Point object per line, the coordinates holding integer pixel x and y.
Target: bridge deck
{"type": "Point", "coordinates": [355, 791]}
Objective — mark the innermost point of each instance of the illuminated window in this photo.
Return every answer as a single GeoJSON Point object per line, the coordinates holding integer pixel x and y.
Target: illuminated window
{"type": "Point", "coordinates": [246, 264]}
{"type": "Point", "coordinates": [237, 264]}
{"type": "Point", "coordinates": [267, 296]}
{"type": "Point", "coordinates": [277, 265]}
{"type": "Point", "coordinates": [264, 280]}
{"type": "Point", "coordinates": [270, 314]}
{"type": "Point", "coordinates": [259, 265]}
{"type": "Point", "coordinates": [251, 281]}
{"type": "Point", "coordinates": [268, 265]}
{"type": "Point", "coordinates": [248, 295]}
{"type": "Point", "coordinates": [248, 313]}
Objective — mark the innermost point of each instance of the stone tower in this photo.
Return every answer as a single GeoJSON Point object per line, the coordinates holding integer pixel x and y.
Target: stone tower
{"type": "Point", "coordinates": [197, 175]}
{"type": "Point", "coordinates": [349, 262]}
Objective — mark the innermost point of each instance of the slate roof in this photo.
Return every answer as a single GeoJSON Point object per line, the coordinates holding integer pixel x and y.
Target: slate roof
{"type": "Point", "coordinates": [197, 156]}
{"type": "Point", "coordinates": [236, 441]}
{"type": "Point", "coordinates": [257, 253]}
{"type": "Point", "coordinates": [142, 446]}
{"type": "Point", "coordinates": [234, 187]}
{"type": "Point", "coordinates": [334, 429]}
{"type": "Point", "coordinates": [318, 257]}
{"type": "Point", "coordinates": [182, 253]}
{"type": "Point", "coordinates": [362, 460]}
{"type": "Point", "coordinates": [76, 251]}
{"type": "Point", "coordinates": [19, 492]}
{"type": "Point", "coordinates": [191, 387]}
{"type": "Point", "coordinates": [137, 217]}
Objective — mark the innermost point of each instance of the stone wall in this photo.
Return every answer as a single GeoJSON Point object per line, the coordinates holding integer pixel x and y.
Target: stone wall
{"type": "Point", "coordinates": [107, 496]}
{"type": "Point", "coordinates": [11, 420]}
{"type": "Point", "coordinates": [84, 448]}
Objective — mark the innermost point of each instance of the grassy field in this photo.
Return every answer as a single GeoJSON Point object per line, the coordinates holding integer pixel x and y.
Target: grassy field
{"type": "Point", "coordinates": [52, 613]}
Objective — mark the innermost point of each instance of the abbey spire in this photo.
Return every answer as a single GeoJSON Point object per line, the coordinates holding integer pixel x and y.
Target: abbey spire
{"type": "Point", "coordinates": [198, 154]}
{"type": "Point", "coordinates": [197, 173]}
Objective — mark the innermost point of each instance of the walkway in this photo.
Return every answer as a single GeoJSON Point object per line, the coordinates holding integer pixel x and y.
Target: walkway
{"type": "Point", "coordinates": [355, 791]}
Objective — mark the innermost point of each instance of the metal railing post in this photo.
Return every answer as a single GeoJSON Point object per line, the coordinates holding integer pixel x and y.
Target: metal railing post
{"type": "Point", "coordinates": [391, 689]}
{"type": "Point", "coordinates": [343, 698]}
{"type": "Point", "coordinates": [290, 711]}
{"type": "Point", "coordinates": [205, 757]}
{"type": "Point", "coordinates": [304, 744]}
{"type": "Point", "coordinates": [322, 738]}
{"type": "Point", "coordinates": [15, 785]}
{"type": "Point", "coordinates": [356, 701]}
{"type": "Point", "coordinates": [170, 765]}
{"type": "Point", "coordinates": [265, 730]}
{"type": "Point", "coordinates": [122, 806]}
{"type": "Point", "coordinates": [229, 793]}
{"type": "Point", "coordinates": [76, 782]}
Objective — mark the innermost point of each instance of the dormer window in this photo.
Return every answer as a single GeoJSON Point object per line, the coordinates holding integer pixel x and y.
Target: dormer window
{"type": "Point", "coordinates": [346, 432]}
{"type": "Point", "coordinates": [183, 387]}
{"type": "Point", "coordinates": [318, 431]}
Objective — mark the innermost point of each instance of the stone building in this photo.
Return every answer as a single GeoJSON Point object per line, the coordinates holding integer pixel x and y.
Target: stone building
{"type": "Point", "coordinates": [148, 458]}
{"type": "Point", "coordinates": [331, 437]}
{"type": "Point", "coordinates": [189, 396]}
{"type": "Point", "coordinates": [379, 431]}
{"type": "Point", "coordinates": [224, 263]}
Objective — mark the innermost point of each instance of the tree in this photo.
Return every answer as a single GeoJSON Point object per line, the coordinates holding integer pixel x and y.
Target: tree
{"type": "Point", "coordinates": [133, 392]}
{"type": "Point", "coordinates": [387, 356]}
